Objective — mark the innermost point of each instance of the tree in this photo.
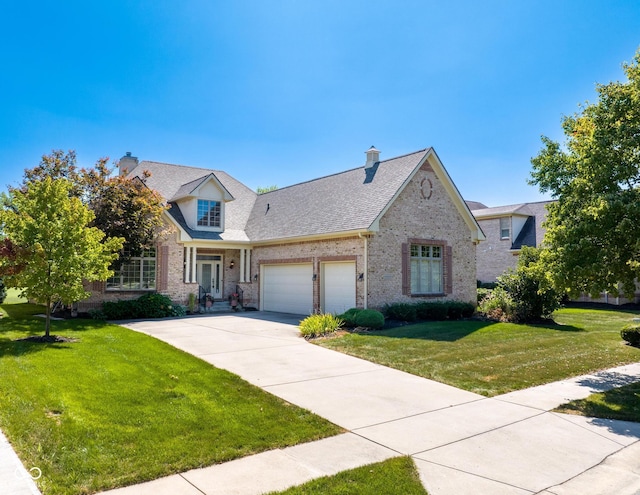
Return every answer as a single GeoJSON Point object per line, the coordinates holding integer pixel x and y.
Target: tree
{"type": "Point", "coordinates": [266, 189]}
{"type": "Point", "coordinates": [53, 248]}
{"type": "Point", "coordinates": [122, 207]}
{"type": "Point", "coordinates": [593, 230]}
{"type": "Point", "coordinates": [530, 287]}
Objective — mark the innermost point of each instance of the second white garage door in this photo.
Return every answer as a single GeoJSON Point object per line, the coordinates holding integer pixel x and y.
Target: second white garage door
{"type": "Point", "coordinates": [288, 288]}
{"type": "Point", "coordinates": [338, 287]}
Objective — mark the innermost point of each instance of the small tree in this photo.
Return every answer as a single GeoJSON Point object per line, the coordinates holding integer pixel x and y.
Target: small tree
{"type": "Point", "coordinates": [53, 247]}
{"type": "Point", "coordinates": [530, 287]}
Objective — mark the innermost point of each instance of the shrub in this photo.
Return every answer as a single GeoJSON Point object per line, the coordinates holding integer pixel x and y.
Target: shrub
{"type": "Point", "coordinates": [178, 310]}
{"type": "Point", "coordinates": [482, 293]}
{"type": "Point", "coordinates": [146, 306]}
{"type": "Point", "coordinates": [401, 311]}
{"type": "Point", "coordinates": [319, 325]}
{"type": "Point", "coordinates": [370, 318]}
{"type": "Point", "coordinates": [349, 317]}
{"type": "Point", "coordinates": [631, 334]}
{"type": "Point", "coordinates": [498, 305]}
{"type": "Point", "coordinates": [97, 314]}
{"type": "Point", "coordinates": [457, 310]}
{"type": "Point", "coordinates": [530, 287]}
{"type": "Point", "coordinates": [435, 311]}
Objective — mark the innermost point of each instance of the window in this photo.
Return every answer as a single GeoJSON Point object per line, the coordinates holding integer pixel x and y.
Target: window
{"type": "Point", "coordinates": [208, 213]}
{"type": "Point", "coordinates": [139, 273]}
{"type": "Point", "coordinates": [427, 274]}
{"type": "Point", "coordinates": [505, 228]}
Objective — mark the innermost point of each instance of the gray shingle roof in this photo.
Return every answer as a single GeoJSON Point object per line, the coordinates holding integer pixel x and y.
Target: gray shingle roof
{"type": "Point", "coordinates": [343, 202]}
{"type": "Point", "coordinates": [346, 201]}
{"type": "Point", "coordinates": [170, 179]}
{"type": "Point", "coordinates": [500, 211]}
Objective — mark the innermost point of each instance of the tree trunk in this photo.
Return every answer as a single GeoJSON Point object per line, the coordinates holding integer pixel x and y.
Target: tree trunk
{"type": "Point", "coordinates": [47, 321]}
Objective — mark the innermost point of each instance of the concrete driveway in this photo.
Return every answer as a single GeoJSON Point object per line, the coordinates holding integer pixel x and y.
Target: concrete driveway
{"type": "Point", "coordinates": [462, 443]}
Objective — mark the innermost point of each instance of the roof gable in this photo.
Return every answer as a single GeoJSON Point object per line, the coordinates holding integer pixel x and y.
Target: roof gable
{"type": "Point", "coordinates": [194, 188]}
{"type": "Point", "coordinates": [350, 201]}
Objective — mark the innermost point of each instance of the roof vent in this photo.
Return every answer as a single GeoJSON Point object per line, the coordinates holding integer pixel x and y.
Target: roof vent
{"type": "Point", "coordinates": [373, 157]}
{"type": "Point", "coordinates": [127, 163]}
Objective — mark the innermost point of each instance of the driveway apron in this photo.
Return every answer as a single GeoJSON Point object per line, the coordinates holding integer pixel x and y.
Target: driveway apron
{"type": "Point", "coordinates": [462, 443]}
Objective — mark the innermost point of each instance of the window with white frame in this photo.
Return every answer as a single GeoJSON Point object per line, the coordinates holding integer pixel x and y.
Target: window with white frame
{"type": "Point", "coordinates": [505, 228]}
{"type": "Point", "coordinates": [138, 273]}
{"type": "Point", "coordinates": [427, 274]}
{"type": "Point", "coordinates": [209, 213]}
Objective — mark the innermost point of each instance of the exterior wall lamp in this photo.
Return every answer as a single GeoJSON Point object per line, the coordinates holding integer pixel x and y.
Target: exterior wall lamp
{"type": "Point", "coordinates": [361, 277]}
{"type": "Point", "coordinates": [232, 264]}
{"type": "Point", "coordinates": [315, 277]}
{"type": "Point", "coordinates": [255, 277]}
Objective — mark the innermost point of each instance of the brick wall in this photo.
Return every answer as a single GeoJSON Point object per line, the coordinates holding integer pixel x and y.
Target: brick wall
{"type": "Point", "coordinates": [494, 255]}
{"type": "Point", "coordinates": [314, 252]}
{"type": "Point", "coordinates": [414, 216]}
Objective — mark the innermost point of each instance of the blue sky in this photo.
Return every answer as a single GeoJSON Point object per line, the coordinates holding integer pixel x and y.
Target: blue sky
{"type": "Point", "coordinates": [281, 91]}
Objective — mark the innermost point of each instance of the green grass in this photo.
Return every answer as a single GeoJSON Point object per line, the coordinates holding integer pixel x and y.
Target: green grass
{"type": "Point", "coordinates": [621, 403]}
{"type": "Point", "coordinates": [118, 407]}
{"type": "Point", "coordinates": [13, 297]}
{"type": "Point", "coordinates": [396, 476]}
{"type": "Point", "coordinates": [495, 358]}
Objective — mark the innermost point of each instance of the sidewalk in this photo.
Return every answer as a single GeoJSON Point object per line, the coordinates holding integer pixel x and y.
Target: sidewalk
{"type": "Point", "coordinates": [462, 443]}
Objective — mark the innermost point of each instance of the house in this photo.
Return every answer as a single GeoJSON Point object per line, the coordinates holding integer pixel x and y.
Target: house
{"type": "Point", "coordinates": [507, 229]}
{"type": "Point", "coordinates": [388, 231]}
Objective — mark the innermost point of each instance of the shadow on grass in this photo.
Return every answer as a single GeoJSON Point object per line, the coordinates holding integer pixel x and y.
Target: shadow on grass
{"type": "Point", "coordinates": [17, 348]}
{"type": "Point", "coordinates": [450, 331]}
{"type": "Point", "coordinates": [620, 404]}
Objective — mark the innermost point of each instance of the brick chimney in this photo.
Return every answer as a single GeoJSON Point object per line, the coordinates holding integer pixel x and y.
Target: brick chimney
{"type": "Point", "coordinates": [127, 164]}
{"type": "Point", "coordinates": [373, 157]}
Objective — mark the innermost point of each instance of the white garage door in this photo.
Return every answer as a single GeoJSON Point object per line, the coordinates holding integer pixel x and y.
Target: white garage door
{"type": "Point", "coordinates": [338, 287]}
{"type": "Point", "coordinates": [288, 288]}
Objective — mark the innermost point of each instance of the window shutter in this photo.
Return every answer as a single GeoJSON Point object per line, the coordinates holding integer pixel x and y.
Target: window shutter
{"type": "Point", "coordinates": [448, 270]}
{"type": "Point", "coordinates": [163, 268]}
{"type": "Point", "coordinates": [406, 273]}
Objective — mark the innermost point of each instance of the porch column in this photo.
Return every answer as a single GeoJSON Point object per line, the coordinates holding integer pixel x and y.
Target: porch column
{"type": "Point", "coordinates": [194, 257]}
{"type": "Point", "coordinates": [242, 251]}
{"type": "Point", "coordinates": [247, 277]}
{"type": "Point", "coordinates": [187, 265]}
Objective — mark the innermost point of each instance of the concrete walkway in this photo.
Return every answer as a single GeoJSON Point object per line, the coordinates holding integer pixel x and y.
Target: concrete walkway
{"type": "Point", "coordinates": [462, 443]}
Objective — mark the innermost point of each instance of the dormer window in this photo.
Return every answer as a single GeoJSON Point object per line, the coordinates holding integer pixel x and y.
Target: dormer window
{"type": "Point", "coordinates": [209, 213]}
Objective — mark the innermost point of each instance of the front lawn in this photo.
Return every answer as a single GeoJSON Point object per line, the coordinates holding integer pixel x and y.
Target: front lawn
{"type": "Point", "coordinates": [495, 358]}
{"type": "Point", "coordinates": [118, 407]}
{"type": "Point", "coordinates": [397, 476]}
{"type": "Point", "coordinates": [621, 403]}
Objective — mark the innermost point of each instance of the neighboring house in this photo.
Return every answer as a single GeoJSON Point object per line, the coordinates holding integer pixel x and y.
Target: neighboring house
{"type": "Point", "coordinates": [507, 229]}
{"type": "Point", "coordinates": [389, 231]}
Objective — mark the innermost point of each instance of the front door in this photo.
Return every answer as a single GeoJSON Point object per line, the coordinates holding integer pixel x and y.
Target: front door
{"type": "Point", "coordinates": [210, 277]}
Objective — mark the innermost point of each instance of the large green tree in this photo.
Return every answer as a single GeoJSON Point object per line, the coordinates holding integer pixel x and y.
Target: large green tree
{"type": "Point", "coordinates": [593, 229]}
{"type": "Point", "coordinates": [53, 248]}
{"type": "Point", "coordinates": [123, 207]}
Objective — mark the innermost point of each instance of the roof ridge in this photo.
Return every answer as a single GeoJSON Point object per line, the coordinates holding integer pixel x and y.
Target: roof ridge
{"type": "Point", "coordinates": [343, 172]}
{"type": "Point", "coordinates": [210, 170]}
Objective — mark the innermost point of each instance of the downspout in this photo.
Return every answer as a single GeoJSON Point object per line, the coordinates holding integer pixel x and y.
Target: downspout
{"type": "Point", "coordinates": [366, 271]}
